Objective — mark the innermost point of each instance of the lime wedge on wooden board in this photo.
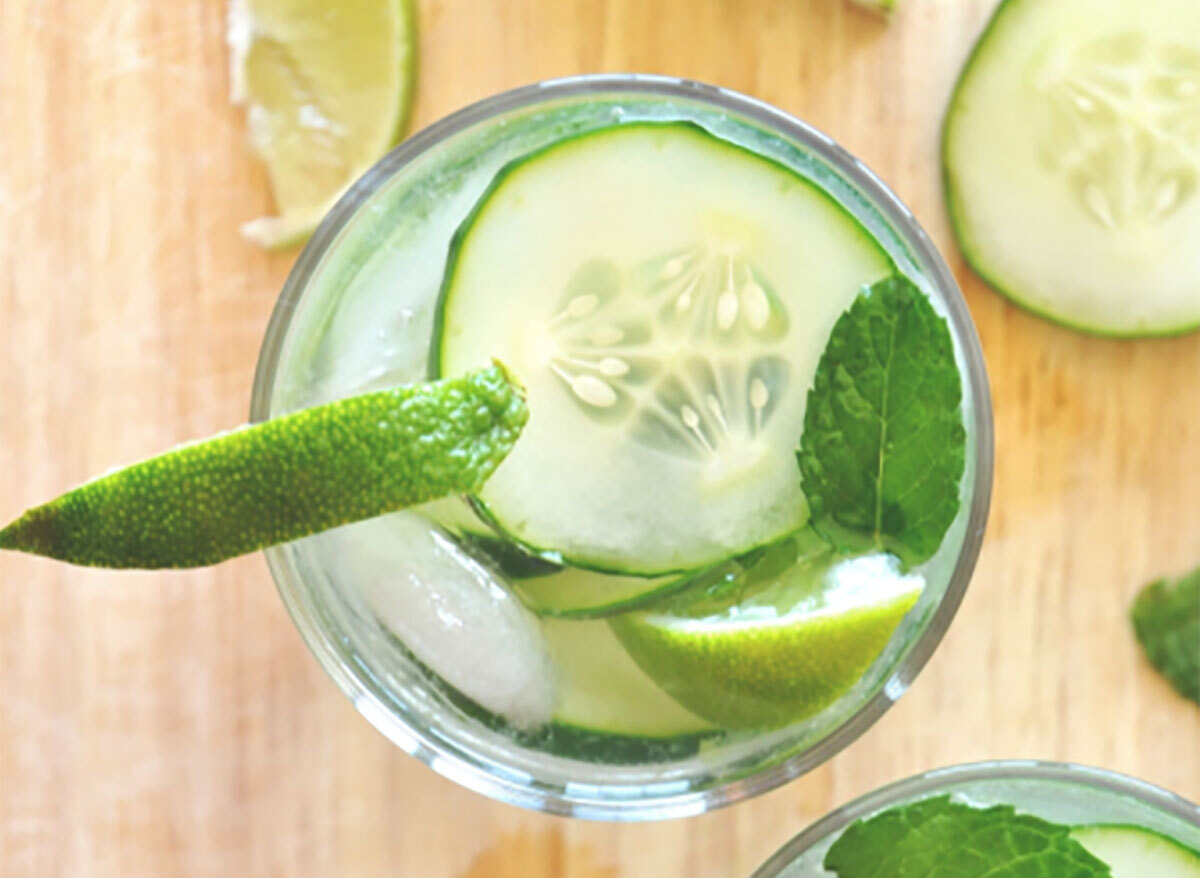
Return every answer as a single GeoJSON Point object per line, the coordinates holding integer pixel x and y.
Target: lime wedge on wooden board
{"type": "Point", "coordinates": [327, 89]}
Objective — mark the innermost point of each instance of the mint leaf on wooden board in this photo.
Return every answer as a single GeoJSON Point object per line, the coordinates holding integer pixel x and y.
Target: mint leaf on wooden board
{"type": "Point", "coordinates": [939, 838]}
{"type": "Point", "coordinates": [1166, 619]}
{"type": "Point", "coordinates": [883, 448]}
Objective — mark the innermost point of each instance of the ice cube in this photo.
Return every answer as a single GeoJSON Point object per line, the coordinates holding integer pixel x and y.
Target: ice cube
{"type": "Point", "coordinates": [451, 612]}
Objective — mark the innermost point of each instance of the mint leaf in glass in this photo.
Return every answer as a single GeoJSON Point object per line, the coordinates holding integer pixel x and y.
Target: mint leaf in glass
{"type": "Point", "coordinates": [883, 449]}
{"type": "Point", "coordinates": [939, 838]}
{"type": "Point", "coordinates": [1166, 619]}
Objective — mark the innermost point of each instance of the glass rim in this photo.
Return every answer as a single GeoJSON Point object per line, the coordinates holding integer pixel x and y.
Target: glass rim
{"type": "Point", "coordinates": [1099, 779]}
{"type": "Point", "coordinates": [434, 750]}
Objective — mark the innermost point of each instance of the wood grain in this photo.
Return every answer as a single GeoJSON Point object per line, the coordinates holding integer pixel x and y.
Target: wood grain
{"type": "Point", "coordinates": [174, 724]}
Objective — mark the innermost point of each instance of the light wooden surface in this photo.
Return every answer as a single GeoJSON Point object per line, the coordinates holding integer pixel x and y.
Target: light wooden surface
{"type": "Point", "coordinates": [175, 725]}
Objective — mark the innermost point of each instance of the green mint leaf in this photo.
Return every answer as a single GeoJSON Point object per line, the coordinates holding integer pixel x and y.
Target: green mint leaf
{"type": "Point", "coordinates": [1166, 619]}
{"type": "Point", "coordinates": [883, 449]}
{"type": "Point", "coordinates": [938, 838]}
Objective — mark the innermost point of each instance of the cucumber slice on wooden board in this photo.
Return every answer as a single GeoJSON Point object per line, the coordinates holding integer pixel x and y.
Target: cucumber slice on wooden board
{"type": "Point", "coordinates": [664, 296]}
{"type": "Point", "coordinates": [1071, 152]}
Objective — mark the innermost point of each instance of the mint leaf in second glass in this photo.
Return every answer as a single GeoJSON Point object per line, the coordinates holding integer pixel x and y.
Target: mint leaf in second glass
{"type": "Point", "coordinates": [938, 838]}
{"type": "Point", "coordinates": [1166, 619]}
{"type": "Point", "coordinates": [883, 448]}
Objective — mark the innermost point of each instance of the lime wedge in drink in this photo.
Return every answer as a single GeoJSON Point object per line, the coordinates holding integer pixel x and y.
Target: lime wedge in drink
{"type": "Point", "coordinates": [327, 89]}
{"type": "Point", "coordinates": [283, 479]}
{"type": "Point", "coordinates": [780, 655]}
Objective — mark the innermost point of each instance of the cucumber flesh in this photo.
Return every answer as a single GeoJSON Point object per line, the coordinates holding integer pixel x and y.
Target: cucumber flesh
{"type": "Point", "coordinates": [663, 296]}
{"type": "Point", "coordinates": [576, 593]}
{"type": "Point", "coordinates": [1132, 852]}
{"type": "Point", "coordinates": [457, 516]}
{"type": "Point", "coordinates": [601, 689]}
{"type": "Point", "coordinates": [544, 585]}
{"type": "Point", "coordinates": [1072, 161]}
{"type": "Point", "coordinates": [585, 594]}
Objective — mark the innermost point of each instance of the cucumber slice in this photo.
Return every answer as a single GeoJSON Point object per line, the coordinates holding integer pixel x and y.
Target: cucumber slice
{"type": "Point", "coordinates": [1071, 151]}
{"type": "Point", "coordinates": [456, 515]}
{"type": "Point", "coordinates": [575, 593]}
{"type": "Point", "coordinates": [571, 741]}
{"type": "Point", "coordinates": [601, 689]}
{"type": "Point", "coordinates": [664, 297]}
{"type": "Point", "coordinates": [1133, 852]}
{"type": "Point", "coordinates": [510, 559]}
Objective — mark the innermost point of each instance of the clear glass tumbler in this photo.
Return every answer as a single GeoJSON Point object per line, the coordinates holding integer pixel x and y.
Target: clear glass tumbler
{"type": "Point", "coordinates": [1055, 791]}
{"type": "Point", "coordinates": [355, 315]}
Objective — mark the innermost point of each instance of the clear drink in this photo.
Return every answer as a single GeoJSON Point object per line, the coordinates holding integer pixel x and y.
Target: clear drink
{"type": "Point", "coordinates": [510, 639]}
{"type": "Point", "coordinates": [1071, 795]}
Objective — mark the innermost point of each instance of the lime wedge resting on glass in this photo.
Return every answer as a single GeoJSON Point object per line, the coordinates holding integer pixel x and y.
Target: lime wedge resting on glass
{"type": "Point", "coordinates": [327, 89]}
{"type": "Point", "coordinates": [782, 655]}
{"type": "Point", "coordinates": [286, 478]}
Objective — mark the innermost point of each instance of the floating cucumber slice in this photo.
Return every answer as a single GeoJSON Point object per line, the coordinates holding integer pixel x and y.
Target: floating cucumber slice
{"type": "Point", "coordinates": [456, 515]}
{"type": "Point", "coordinates": [1133, 852]}
{"type": "Point", "coordinates": [601, 689]}
{"type": "Point", "coordinates": [544, 585]}
{"type": "Point", "coordinates": [1071, 151]}
{"type": "Point", "coordinates": [568, 740]}
{"type": "Point", "coordinates": [576, 593]}
{"type": "Point", "coordinates": [573, 592]}
{"type": "Point", "coordinates": [664, 296]}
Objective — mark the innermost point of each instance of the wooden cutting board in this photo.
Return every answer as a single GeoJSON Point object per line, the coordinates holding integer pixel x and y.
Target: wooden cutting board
{"type": "Point", "coordinates": [173, 724]}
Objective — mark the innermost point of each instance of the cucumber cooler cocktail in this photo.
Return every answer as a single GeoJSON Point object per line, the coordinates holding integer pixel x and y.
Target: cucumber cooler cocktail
{"type": "Point", "coordinates": [1002, 818]}
{"type": "Point", "coordinates": [754, 476]}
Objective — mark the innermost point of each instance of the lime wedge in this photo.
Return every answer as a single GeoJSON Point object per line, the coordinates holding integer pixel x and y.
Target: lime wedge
{"type": "Point", "coordinates": [782, 655]}
{"type": "Point", "coordinates": [327, 89]}
{"type": "Point", "coordinates": [283, 479]}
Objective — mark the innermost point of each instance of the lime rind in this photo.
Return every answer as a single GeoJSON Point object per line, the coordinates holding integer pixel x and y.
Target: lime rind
{"type": "Point", "coordinates": [283, 479]}
{"type": "Point", "coordinates": [757, 667]}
